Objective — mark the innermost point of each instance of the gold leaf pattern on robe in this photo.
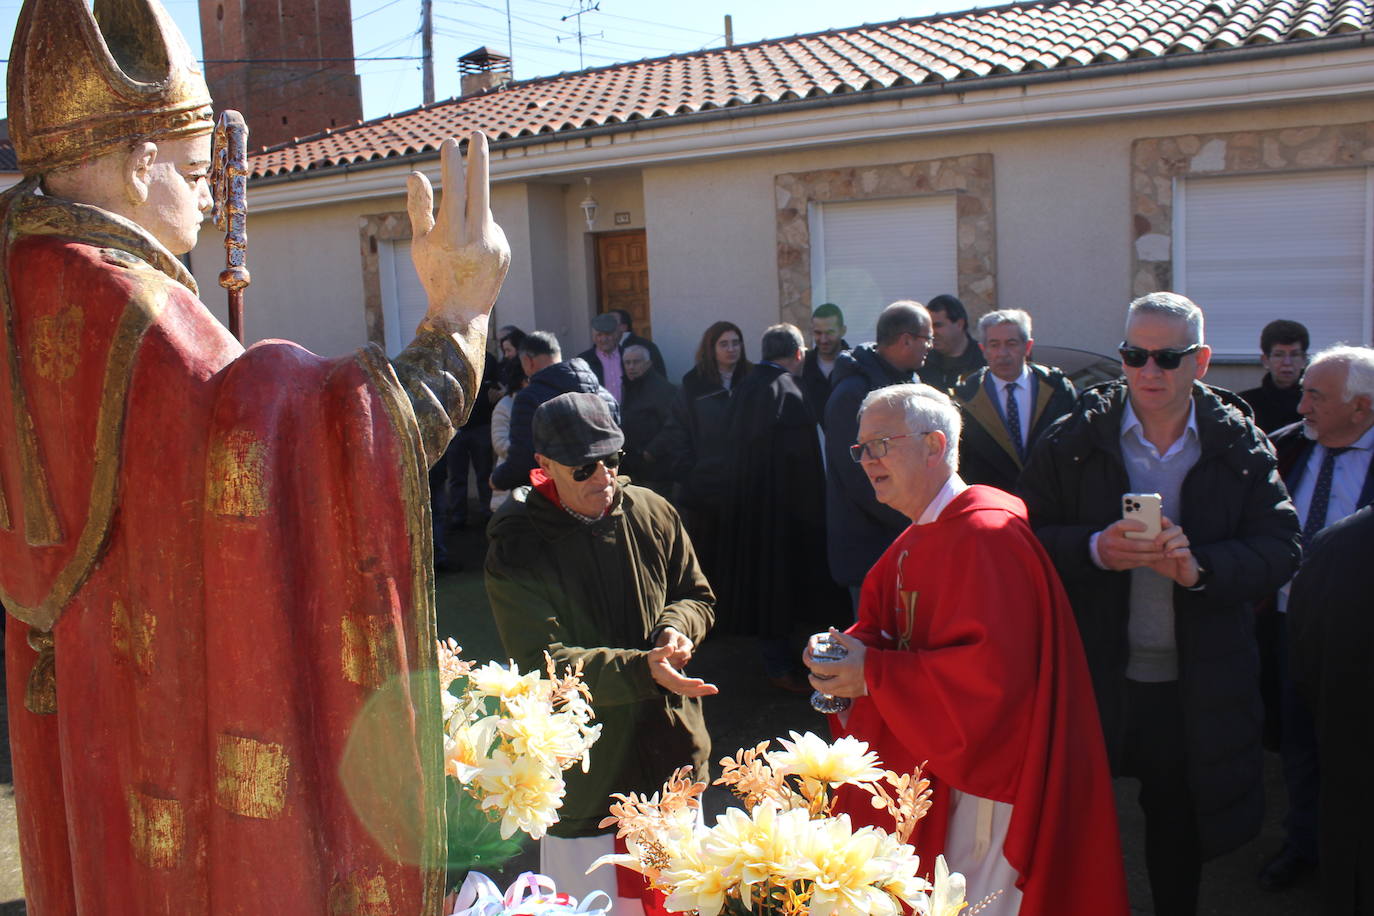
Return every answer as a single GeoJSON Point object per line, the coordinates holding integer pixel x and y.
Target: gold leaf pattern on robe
{"type": "Point", "coordinates": [360, 894]}
{"type": "Point", "coordinates": [365, 649]}
{"type": "Point", "coordinates": [56, 343]}
{"type": "Point", "coordinates": [132, 635]}
{"type": "Point", "coordinates": [250, 776]}
{"type": "Point", "coordinates": [157, 829]}
{"type": "Point", "coordinates": [237, 481]}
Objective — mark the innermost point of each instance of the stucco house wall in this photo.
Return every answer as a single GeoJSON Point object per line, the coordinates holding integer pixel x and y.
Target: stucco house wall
{"type": "Point", "coordinates": [1062, 212]}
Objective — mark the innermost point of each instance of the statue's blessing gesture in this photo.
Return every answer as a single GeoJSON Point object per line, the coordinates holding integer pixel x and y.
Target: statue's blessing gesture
{"type": "Point", "coordinates": [221, 651]}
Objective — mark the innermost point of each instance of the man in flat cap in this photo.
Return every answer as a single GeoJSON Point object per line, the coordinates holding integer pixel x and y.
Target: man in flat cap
{"type": "Point", "coordinates": [595, 571]}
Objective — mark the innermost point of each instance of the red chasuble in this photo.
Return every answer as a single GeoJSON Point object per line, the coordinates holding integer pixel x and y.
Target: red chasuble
{"type": "Point", "coordinates": [974, 664]}
{"type": "Point", "coordinates": [236, 713]}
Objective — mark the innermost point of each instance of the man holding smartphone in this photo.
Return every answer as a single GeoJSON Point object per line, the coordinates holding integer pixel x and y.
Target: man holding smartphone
{"type": "Point", "coordinates": [1166, 623]}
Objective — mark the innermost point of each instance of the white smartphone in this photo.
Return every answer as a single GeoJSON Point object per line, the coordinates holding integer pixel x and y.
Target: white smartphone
{"type": "Point", "coordinates": [1143, 507]}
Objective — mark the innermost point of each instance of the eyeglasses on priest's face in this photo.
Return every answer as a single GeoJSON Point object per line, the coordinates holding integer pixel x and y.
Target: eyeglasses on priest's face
{"type": "Point", "coordinates": [1167, 359]}
{"type": "Point", "coordinates": [877, 448]}
{"type": "Point", "coordinates": [587, 470]}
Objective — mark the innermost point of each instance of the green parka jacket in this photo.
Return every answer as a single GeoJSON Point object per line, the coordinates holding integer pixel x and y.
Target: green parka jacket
{"type": "Point", "coordinates": [598, 593]}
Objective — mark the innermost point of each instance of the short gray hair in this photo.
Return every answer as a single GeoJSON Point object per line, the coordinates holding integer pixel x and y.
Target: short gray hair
{"type": "Point", "coordinates": [1018, 317]}
{"type": "Point", "coordinates": [642, 350]}
{"type": "Point", "coordinates": [1170, 305]}
{"type": "Point", "coordinates": [1359, 365]}
{"type": "Point", "coordinates": [781, 341]}
{"type": "Point", "coordinates": [926, 408]}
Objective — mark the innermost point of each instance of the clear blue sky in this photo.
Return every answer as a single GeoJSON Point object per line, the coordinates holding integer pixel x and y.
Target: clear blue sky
{"type": "Point", "coordinates": [543, 42]}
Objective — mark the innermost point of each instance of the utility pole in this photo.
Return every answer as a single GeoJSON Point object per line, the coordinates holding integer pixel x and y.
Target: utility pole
{"type": "Point", "coordinates": [427, 50]}
{"type": "Point", "coordinates": [584, 8]}
{"type": "Point", "coordinates": [729, 31]}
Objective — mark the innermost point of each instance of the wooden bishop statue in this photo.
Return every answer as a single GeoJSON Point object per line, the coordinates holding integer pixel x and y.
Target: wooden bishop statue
{"type": "Point", "coordinates": [216, 560]}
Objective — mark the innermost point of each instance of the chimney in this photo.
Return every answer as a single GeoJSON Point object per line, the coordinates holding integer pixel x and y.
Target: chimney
{"type": "Point", "coordinates": [483, 69]}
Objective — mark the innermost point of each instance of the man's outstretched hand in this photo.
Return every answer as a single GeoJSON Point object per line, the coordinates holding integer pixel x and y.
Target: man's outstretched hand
{"type": "Point", "coordinates": [461, 255]}
{"type": "Point", "coordinates": [668, 677]}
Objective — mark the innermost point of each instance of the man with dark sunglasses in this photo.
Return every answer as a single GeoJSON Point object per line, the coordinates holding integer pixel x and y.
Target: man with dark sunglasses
{"type": "Point", "coordinates": [599, 573]}
{"type": "Point", "coordinates": [1167, 623]}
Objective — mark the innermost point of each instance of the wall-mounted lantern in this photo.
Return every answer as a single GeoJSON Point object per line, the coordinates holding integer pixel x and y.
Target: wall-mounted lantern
{"type": "Point", "coordinates": [589, 206]}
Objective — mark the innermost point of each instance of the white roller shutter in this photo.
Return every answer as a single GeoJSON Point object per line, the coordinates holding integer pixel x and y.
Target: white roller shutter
{"type": "Point", "coordinates": [404, 301]}
{"type": "Point", "coordinates": [1250, 249]}
{"type": "Point", "coordinates": [866, 254]}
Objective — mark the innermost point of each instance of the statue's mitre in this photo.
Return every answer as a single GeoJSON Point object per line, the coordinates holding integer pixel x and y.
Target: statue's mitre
{"type": "Point", "coordinates": [83, 83]}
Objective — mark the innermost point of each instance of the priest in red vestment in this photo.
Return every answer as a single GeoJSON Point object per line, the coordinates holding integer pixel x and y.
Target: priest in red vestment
{"type": "Point", "coordinates": [966, 659]}
{"type": "Point", "coordinates": [220, 656]}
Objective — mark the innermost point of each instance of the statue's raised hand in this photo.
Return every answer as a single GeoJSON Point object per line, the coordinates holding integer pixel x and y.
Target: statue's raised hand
{"type": "Point", "coordinates": [462, 255]}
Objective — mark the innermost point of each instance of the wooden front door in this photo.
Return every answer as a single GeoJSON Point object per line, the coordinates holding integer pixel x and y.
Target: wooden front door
{"type": "Point", "coordinates": [622, 269]}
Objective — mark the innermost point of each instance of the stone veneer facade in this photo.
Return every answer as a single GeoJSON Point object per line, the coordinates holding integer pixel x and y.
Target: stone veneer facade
{"type": "Point", "coordinates": [970, 177]}
{"type": "Point", "coordinates": [375, 229]}
{"type": "Point", "coordinates": [1156, 162]}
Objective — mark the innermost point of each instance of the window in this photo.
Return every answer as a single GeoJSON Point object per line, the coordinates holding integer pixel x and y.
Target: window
{"type": "Point", "coordinates": [1249, 249]}
{"type": "Point", "coordinates": [866, 254]}
{"type": "Point", "coordinates": [404, 302]}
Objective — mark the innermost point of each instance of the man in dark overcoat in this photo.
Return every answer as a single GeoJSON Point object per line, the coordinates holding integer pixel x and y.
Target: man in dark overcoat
{"type": "Point", "coordinates": [1167, 623]}
{"type": "Point", "coordinates": [1332, 636]}
{"type": "Point", "coordinates": [774, 575]}
{"type": "Point", "coordinates": [1009, 403]}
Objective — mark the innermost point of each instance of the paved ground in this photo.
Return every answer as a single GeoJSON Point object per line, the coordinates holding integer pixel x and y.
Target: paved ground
{"type": "Point", "coordinates": [747, 711]}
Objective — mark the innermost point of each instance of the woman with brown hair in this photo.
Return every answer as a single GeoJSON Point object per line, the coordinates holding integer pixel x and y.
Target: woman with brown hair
{"type": "Point", "coordinates": [695, 443]}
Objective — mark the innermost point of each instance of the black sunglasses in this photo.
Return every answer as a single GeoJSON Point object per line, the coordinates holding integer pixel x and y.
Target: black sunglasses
{"type": "Point", "coordinates": [611, 461]}
{"type": "Point", "coordinates": [1137, 357]}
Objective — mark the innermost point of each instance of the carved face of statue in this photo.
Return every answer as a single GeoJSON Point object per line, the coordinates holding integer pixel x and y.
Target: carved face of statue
{"type": "Point", "coordinates": [176, 192]}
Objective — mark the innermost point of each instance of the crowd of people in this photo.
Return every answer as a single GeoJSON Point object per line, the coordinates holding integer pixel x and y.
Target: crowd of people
{"type": "Point", "coordinates": [938, 492]}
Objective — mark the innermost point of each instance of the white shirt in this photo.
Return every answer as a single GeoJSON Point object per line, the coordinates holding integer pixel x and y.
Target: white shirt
{"type": "Point", "coordinates": [952, 488]}
{"type": "Point", "coordinates": [1023, 399]}
{"type": "Point", "coordinates": [1133, 428]}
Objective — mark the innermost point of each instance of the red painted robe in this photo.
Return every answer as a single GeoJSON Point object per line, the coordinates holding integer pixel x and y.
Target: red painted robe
{"type": "Point", "coordinates": [233, 547]}
{"type": "Point", "coordinates": [974, 664]}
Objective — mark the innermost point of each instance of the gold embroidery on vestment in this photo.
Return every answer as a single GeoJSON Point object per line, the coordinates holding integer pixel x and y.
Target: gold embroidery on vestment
{"type": "Point", "coordinates": [422, 654]}
{"type": "Point", "coordinates": [45, 216]}
{"type": "Point", "coordinates": [56, 343]}
{"type": "Point", "coordinates": [365, 650]}
{"type": "Point", "coordinates": [157, 829]}
{"type": "Point", "coordinates": [237, 483]}
{"type": "Point", "coordinates": [40, 694]}
{"type": "Point", "coordinates": [906, 612]}
{"type": "Point", "coordinates": [250, 776]}
{"type": "Point", "coordinates": [360, 894]}
{"type": "Point", "coordinates": [132, 636]}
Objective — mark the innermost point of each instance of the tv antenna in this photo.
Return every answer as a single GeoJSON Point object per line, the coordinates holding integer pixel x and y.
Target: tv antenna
{"type": "Point", "coordinates": [583, 8]}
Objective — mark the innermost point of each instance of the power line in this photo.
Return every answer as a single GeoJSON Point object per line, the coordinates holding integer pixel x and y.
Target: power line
{"type": "Point", "coordinates": [377, 10]}
{"type": "Point", "coordinates": [665, 25]}
{"type": "Point", "coordinates": [295, 60]}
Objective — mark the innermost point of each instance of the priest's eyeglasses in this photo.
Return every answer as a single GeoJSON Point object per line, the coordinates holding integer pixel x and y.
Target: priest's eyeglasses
{"type": "Point", "coordinates": [1168, 360]}
{"type": "Point", "coordinates": [877, 448]}
{"type": "Point", "coordinates": [611, 461]}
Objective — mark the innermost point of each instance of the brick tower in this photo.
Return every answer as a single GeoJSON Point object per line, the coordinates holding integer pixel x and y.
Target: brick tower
{"type": "Point", "coordinates": [292, 73]}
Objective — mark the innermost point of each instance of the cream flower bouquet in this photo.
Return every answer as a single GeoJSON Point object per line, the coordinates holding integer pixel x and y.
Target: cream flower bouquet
{"type": "Point", "coordinates": [786, 852]}
{"type": "Point", "coordinates": [509, 736]}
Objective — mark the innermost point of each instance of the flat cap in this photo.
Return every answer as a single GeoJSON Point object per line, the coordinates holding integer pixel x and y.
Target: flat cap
{"type": "Point", "coordinates": [575, 429]}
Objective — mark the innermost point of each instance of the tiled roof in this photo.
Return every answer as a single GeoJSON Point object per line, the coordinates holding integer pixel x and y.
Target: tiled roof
{"type": "Point", "coordinates": [1006, 40]}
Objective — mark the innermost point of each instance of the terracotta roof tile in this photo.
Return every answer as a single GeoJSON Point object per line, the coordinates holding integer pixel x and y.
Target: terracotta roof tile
{"type": "Point", "coordinates": [1012, 39]}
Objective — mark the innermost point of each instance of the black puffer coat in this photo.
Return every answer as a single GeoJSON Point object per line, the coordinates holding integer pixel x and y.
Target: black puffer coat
{"type": "Point", "coordinates": [1244, 532]}
{"type": "Point", "coordinates": [858, 528]}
